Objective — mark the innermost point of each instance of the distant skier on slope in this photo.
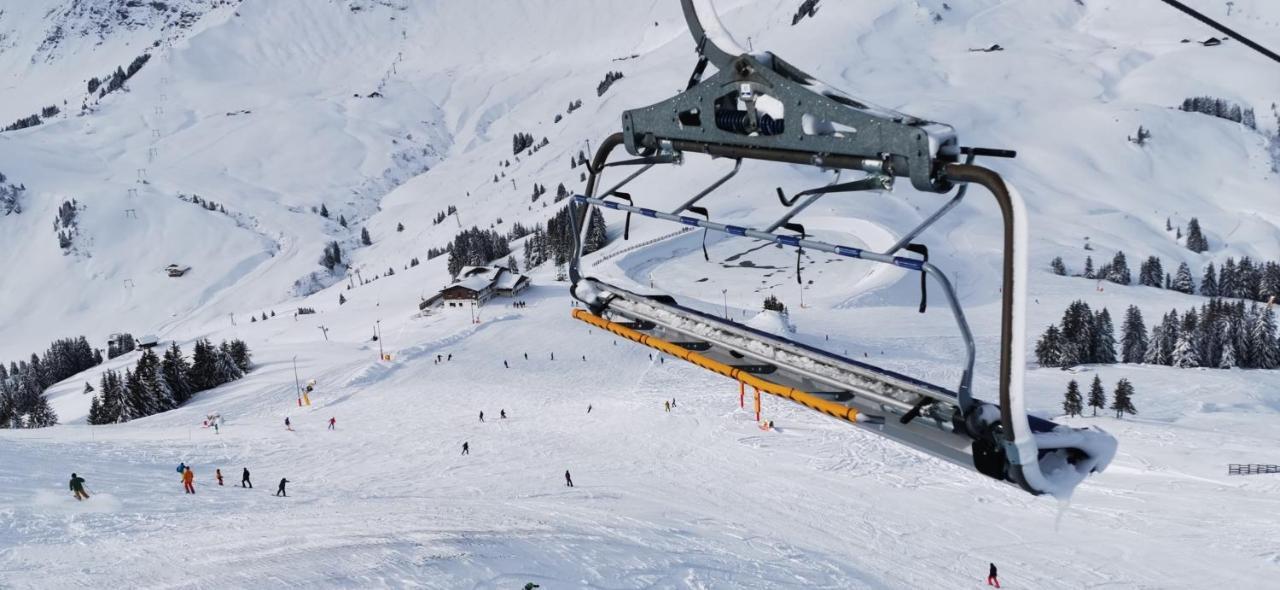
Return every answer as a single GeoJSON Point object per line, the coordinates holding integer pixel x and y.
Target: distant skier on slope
{"type": "Point", "coordinates": [482, 415]}
{"type": "Point", "coordinates": [332, 422]}
{"type": "Point", "coordinates": [466, 448]}
{"type": "Point", "coordinates": [77, 487]}
{"type": "Point", "coordinates": [280, 490]}
{"type": "Point", "coordinates": [244, 479]}
{"type": "Point", "coordinates": [568, 480]}
{"type": "Point", "coordinates": [992, 580]}
{"type": "Point", "coordinates": [667, 405]}
{"type": "Point", "coordinates": [588, 408]}
{"type": "Point", "coordinates": [287, 424]}
{"type": "Point", "coordinates": [189, 481]}
{"type": "Point", "coordinates": [505, 365]}
{"type": "Point", "coordinates": [218, 474]}
{"type": "Point", "coordinates": [502, 414]}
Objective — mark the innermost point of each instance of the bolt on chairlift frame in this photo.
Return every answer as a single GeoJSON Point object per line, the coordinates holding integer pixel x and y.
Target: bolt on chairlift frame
{"type": "Point", "coordinates": [834, 132]}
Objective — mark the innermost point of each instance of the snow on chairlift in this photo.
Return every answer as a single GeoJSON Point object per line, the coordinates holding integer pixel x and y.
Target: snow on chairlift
{"type": "Point", "coordinates": [821, 129]}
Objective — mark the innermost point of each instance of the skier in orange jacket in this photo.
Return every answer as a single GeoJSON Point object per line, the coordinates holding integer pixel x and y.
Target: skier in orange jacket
{"type": "Point", "coordinates": [188, 480]}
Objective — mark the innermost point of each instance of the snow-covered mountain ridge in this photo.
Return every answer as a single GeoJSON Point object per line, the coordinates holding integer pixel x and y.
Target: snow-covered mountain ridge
{"type": "Point", "coordinates": [386, 113]}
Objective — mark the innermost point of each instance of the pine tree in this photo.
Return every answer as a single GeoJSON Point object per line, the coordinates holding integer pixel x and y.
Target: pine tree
{"type": "Point", "coordinates": [1078, 336]}
{"type": "Point", "coordinates": [1123, 402]}
{"type": "Point", "coordinates": [1184, 354]}
{"type": "Point", "coordinates": [342, 220]}
{"type": "Point", "coordinates": [88, 388]}
{"type": "Point", "coordinates": [159, 395]}
{"type": "Point", "coordinates": [1266, 354]}
{"type": "Point", "coordinates": [225, 368]}
{"type": "Point", "coordinates": [511, 264]}
{"type": "Point", "coordinates": [136, 402]}
{"type": "Point", "coordinates": [364, 237]}
{"type": "Point", "coordinates": [41, 415]}
{"type": "Point", "coordinates": [1228, 286]}
{"type": "Point", "coordinates": [1057, 266]}
{"type": "Point", "coordinates": [596, 237]}
{"type": "Point", "coordinates": [1151, 273]}
{"type": "Point", "coordinates": [1118, 270]}
{"type": "Point", "coordinates": [240, 354]}
{"type": "Point", "coordinates": [1104, 340]}
{"type": "Point", "coordinates": [1182, 282]}
{"type": "Point", "coordinates": [1209, 283]}
{"type": "Point", "coordinates": [203, 366]}
{"type": "Point", "coordinates": [95, 412]}
{"type": "Point", "coordinates": [175, 372]}
{"type": "Point", "coordinates": [324, 211]}
{"type": "Point", "coordinates": [1049, 347]}
{"type": "Point", "coordinates": [1072, 404]}
{"type": "Point", "coordinates": [1228, 356]}
{"type": "Point", "coordinates": [1088, 267]}
{"type": "Point", "coordinates": [1168, 224]}
{"type": "Point", "coordinates": [1097, 395]}
{"type": "Point", "coordinates": [1195, 239]}
{"type": "Point", "coordinates": [1133, 342]}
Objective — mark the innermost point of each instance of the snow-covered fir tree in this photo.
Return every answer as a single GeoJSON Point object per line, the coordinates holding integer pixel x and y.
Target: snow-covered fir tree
{"type": "Point", "coordinates": [1072, 403]}
{"type": "Point", "coordinates": [1097, 395]}
{"type": "Point", "coordinates": [1133, 342]}
{"type": "Point", "coordinates": [1122, 402]}
{"type": "Point", "coordinates": [1182, 281]}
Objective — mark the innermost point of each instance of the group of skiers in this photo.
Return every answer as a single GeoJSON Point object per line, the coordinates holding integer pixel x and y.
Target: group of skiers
{"type": "Point", "coordinates": [333, 423]}
{"type": "Point", "coordinates": [188, 481]}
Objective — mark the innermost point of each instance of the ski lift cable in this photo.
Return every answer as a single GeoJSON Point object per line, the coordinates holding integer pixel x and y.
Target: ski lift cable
{"type": "Point", "coordinates": [1193, 13]}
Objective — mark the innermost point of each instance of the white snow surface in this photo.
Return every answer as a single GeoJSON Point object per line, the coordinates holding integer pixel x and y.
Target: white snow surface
{"type": "Point", "coordinates": [253, 105]}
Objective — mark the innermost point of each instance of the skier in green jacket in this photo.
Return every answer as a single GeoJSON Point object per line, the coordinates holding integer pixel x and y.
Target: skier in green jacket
{"type": "Point", "coordinates": [77, 487]}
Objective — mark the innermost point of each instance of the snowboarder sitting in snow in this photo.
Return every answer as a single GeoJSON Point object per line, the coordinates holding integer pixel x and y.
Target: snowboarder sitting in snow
{"type": "Point", "coordinates": [77, 487]}
{"type": "Point", "coordinates": [280, 491]}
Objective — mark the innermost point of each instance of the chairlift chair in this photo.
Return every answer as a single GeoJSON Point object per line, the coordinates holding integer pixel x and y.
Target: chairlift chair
{"type": "Point", "coordinates": [734, 114]}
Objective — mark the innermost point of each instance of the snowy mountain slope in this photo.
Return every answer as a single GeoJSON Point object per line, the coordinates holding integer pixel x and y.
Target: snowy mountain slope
{"type": "Point", "coordinates": [385, 504]}
{"type": "Point", "coordinates": [696, 498]}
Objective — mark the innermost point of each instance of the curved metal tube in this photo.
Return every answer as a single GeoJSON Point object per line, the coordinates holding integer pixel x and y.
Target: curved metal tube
{"type": "Point", "coordinates": [706, 37]}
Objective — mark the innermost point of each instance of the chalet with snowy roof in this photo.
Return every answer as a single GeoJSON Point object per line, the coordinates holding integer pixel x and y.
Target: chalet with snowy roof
{"type": "Point", "coordinates": [479, 284]}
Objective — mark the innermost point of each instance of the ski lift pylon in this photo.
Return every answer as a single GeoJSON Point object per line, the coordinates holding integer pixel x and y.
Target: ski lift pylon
{"type": "Point", "coordinates": [825, 128]}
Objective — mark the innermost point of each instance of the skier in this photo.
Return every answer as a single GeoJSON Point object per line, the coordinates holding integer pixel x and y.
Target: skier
{"type": "Point", "coordinates": [505, 365]}
{"type": "Point", "coordinates": [553, 355]}
{"type": "Point", "coordinates": [526, 355]}
{"type": "Point", "coordinates": [568, 481]}
{"type": "Point", "coordinates": [287, 424]}
{"type": "Point", "coordinates": [466, 448]}
{"type": "Point", "coordinates": [215, 427]}
{"type": "Point", "coordinates": [189, 481]}
{"type": "Point", "coordinates": [218, 474]}
{"type": "Point", "coordinates": [673, 402]}
{"type": "Point", "coordinates": [992, 580]}
{"type": "Point", "coordinates": [667, 404]}
{"type": "Point", "coordinates": [280, 491]}
{"type": "Point", "coordinates": [77, 487]}
{"type": "Point", "coordinates": [332, 422]}
{"type": "Point", "coordinates": [450, 356]}
{"type": "Point", "coordinates": [482, 415]}
{"type": "Point", "coordinates": [584, 358]}
{"type": "Point", "coordinates": [502, 414]}
{"type": "Point", "coordinates": [244, 479]}
{"type": "Point", "coordinates": [588, 408]}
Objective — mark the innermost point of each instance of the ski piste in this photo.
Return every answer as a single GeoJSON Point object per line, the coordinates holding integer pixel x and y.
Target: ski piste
{"type": "Point", "coordinates": [759, 107]}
